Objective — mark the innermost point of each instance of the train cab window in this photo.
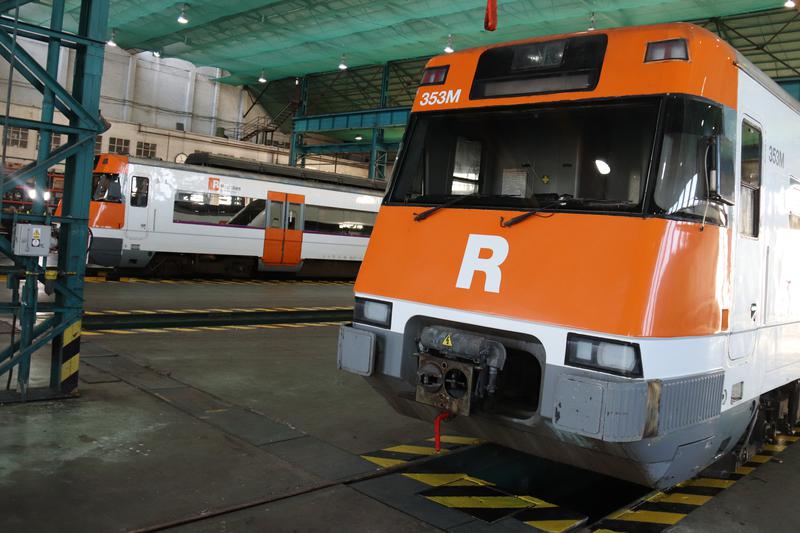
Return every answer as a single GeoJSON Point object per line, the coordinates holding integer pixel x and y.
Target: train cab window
{"type": "Point", "coordinates": [568, 156]}
{"type": "Point", "coordinates": [466, 167]}
{"type": "Point", "coordinates": [106, 188]}
{"type": "Point", "coordinates": [793, 202]}
{"type": "Point", "coordinates": [750, 188]}
{"type": "Point", "coordinates": [681, 184]}
{"type": "Point", "coordinates": [140, 190]}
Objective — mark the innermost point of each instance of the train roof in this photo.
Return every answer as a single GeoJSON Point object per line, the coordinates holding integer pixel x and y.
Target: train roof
{"type": "Point", "coordinates": [607, 63]}
{"type": "Point", "coordinates": [206, 159]}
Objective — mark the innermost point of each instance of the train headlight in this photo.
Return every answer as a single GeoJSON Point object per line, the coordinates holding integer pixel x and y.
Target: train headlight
{"type": "Point", "coordinates": [605, 355]}
{"type": "Point", "coordinates": [373, 312]}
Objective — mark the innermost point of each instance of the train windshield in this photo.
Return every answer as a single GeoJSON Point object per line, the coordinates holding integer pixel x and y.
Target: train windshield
{"type": "Point", "coordinates": [569, 157]}
{"type": "Point", "coordinates": [106, 187]}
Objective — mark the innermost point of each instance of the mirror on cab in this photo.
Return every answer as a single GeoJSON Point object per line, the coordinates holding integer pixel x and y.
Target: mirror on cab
{"type": "Point", "coordinates": [718, 191]}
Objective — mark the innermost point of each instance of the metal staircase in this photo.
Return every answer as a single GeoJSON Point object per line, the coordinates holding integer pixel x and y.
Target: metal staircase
{"type": "Point", "coordinates": [260, 130]}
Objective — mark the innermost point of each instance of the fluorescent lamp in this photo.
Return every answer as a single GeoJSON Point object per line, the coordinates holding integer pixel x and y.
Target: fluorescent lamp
{"type": "Point", "coordinates": [448, 49]}
{"type": "Point", "coordinates": [182, 19]}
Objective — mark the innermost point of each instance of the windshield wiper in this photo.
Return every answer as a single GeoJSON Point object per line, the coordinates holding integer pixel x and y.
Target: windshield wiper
{"type": "Point", "coordinates": [453, 201]}
{"type": "Point", "coordinates": [564, 201]}
{"type": "Point", "coordinates": [519, 218]}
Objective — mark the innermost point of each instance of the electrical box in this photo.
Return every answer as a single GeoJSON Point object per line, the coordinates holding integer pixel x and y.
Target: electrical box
{"type": "Point", "coordinates": [31, 240]}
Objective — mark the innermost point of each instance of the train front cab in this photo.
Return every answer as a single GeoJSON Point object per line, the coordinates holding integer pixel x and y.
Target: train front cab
{"type": "Point", "coordinates": [565, 258]}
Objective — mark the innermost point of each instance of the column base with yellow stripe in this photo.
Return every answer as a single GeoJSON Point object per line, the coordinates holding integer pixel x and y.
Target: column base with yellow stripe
{"type": "Point", "coordinates": [66, 350]}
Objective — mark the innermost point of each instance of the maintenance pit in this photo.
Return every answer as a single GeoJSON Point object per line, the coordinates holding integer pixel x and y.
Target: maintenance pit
{"type": "Point", "coordinates": [252, 427]}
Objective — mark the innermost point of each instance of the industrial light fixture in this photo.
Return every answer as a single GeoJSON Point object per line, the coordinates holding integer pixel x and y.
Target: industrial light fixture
{"type": "Point", "coordinates": [342, 63]}
{"type": "Point", "coordinates": [112, 42]}
{"type": "Point", "coordinates": [359, 138]}
{"type": "Point", "coordinates": [591, 23]}
{"type": "Point", "coordinates": [156, 54]}
{"type": "Point", "coordinates": [46, 195]}
{"type": "Point", "coordinates": [789, 3]}
{"type": "Point", "coordinates": [602, 167]}
{"type": "Point", "coordinates": [297, 81]}
{"type": "Point", "coordinates": [182, 19]}
{"type": "Point", "coordinates": [262, 78]}
{"type": "Point", "coordinates": [448, 49]}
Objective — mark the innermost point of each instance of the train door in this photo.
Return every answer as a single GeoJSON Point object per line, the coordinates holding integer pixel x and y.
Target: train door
{"type": "Point", "coordinates": [747, 313]}
{"type": "Point", "coordinates": [283, 239]}
{"type": "Point", "coordinates": [137, 221]}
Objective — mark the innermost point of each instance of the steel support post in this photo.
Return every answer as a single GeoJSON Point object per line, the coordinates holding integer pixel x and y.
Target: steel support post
{"type": "Point", "coordinates": [74, 235]}
{"type": "Point", "coordinates": [377, 157]}
{"type": "Point", "coordinates": [81, 107]}
{"type": "Point", "coordinates": [296, 148]}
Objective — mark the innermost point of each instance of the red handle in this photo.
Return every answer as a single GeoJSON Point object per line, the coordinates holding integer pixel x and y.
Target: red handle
{"type": "Point", "coordinates": [437, 429]}
{"type": "Point", "coordinates": [490, 19]}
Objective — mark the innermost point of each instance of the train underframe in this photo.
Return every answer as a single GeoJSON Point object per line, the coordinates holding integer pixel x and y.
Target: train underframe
{"type": "Point", "coordinates": [108, 252]}
{"type": "Point", "coordinates": [652, 432]}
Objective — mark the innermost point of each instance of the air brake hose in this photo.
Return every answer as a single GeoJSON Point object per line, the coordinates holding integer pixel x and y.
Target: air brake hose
{"type": "Point", "coordinates": [437, 429]}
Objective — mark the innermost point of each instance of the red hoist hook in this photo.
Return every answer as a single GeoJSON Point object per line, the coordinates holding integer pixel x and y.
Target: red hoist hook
{"type": "Point", "coordinates": [490, 19]}
{"type": "Point", "coordinates": [437, 429]}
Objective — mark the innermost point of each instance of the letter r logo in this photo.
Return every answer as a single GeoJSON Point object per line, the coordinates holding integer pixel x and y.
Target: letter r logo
{"type": "Point", "coordinates": [490, 266]}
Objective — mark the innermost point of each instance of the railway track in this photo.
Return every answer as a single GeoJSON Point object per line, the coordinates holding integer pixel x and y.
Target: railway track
{"type": "Point", "coordinates": [128, 319]}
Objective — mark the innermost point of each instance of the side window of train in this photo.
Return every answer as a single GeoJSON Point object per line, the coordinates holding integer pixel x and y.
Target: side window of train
{"type": "Point", "coordinates": [336, 221]}
{"type": "Point", "coordinates": [793, 202]}
{"type": "Point", "coordinates": [140, 190]}
{"type": "Point", "coordinates": [749, 207]}
{"type": "Point", "coordinates": [294, 220]}
{"type": "Point", "coordinates": [275, 215]}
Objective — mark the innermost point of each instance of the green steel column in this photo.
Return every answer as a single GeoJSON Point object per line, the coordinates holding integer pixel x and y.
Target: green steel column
{"type": "Point", "coordinates": [296, 147]}
{"type": "Point", "coordinates": [377, 155]}
{"type": "Point", "coordinates": [48, 104]}
{"type": "Point", "coordinates": [78, 172]}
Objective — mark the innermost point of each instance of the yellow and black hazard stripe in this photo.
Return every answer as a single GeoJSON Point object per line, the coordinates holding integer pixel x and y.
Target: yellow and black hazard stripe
{"type": "Point", "coordinates": [407, 453]}
{"type": "Point", "coordinates": [216, 310]}
{"type": "Point", "coordinates": [69, 346]}
{"type": "Point", "coordinates": [481, 499]}
{"type": "Point", "coordinates": [664, 509]}
{"type": "Point", "coordinates": [202, 329]}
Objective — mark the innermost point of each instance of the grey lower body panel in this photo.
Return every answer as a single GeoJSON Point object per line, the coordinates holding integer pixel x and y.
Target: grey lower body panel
{"type": "Point", "coordinates": [655, 433]}
{"type": "Point", "coordinates": [105, 251]}
{"type": "Point", "coordinates": [134, 258]}
{"type": "Point", "coordinates": [658, 462]}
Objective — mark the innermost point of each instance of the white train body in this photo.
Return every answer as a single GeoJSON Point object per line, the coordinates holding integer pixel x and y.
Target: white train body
{"type": "Point", "coordinates": [187, 218]}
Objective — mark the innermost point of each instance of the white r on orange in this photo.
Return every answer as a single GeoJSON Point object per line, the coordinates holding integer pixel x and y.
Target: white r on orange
{"type": "Point", "coordinates": [473, 262]}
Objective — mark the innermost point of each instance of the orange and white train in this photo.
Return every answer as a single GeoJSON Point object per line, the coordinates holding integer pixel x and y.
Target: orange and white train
{"type": "Point", "coordinates": [590, 251]}
{"type": "Point", "coordinates": [177, 219]}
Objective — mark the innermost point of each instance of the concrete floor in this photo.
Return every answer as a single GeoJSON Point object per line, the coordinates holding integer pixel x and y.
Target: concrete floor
{"type": "Point", "coordinates": [251, 430]}
{"type": "Point", "coordinates": [161, 434]}
{"type": "Point", "coordinates": [191, 295]}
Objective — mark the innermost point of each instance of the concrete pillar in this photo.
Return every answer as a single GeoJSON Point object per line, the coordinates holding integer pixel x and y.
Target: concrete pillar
{"type": "Point", "coordinates": [188, 101]}
{"type": "Point", "coordinates": [130, 89]}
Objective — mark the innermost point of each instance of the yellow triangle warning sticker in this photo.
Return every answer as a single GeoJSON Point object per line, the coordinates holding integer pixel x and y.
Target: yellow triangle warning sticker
{"type": "Point", "coordinates": [447, 341]}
